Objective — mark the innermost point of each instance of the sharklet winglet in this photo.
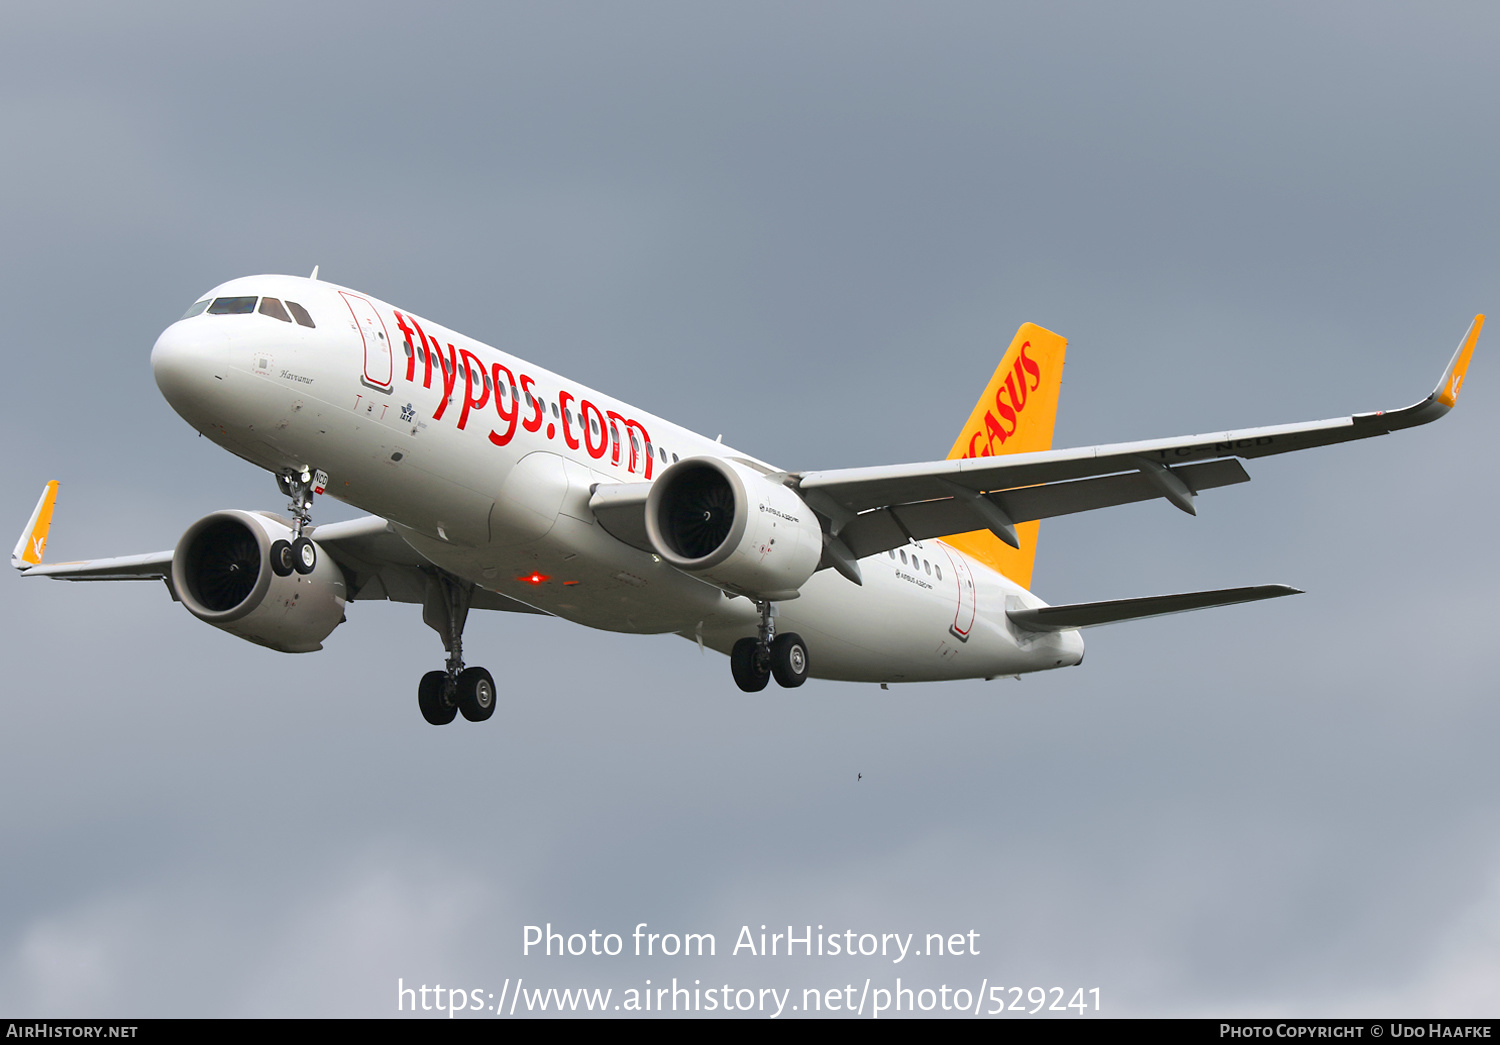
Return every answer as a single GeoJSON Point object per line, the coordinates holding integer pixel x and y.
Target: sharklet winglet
{"type": "Point", "coordinates": [33, 543]}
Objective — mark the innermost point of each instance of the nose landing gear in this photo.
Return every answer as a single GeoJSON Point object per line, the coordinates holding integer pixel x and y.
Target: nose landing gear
{"type": "Point", "coordinates": [753, 662]}
{"type": "Point", "coordinates": [299, 554]}
{"type": "Point", "coordinates": [442, 695]}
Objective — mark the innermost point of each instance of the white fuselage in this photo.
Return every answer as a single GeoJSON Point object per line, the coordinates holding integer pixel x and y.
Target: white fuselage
{"type": "Point", "coordinates": [498, 493]}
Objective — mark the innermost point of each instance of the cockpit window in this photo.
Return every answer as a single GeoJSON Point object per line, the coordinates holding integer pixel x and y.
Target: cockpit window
{"type": "Point", "coordinates": [271, 307]}
{"type": "Point", "coordinates": [301, 314]}
{"type": "Point", "coordinates": [231, 306]}
{"type": "Point", "coordinates": [196, 309]}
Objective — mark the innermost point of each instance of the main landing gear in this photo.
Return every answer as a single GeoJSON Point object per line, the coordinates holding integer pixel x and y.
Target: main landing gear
{"type": "Point", "coordinates": [754, 661]}
{"type": "Point", "coordinates": [443, 694]}
{"type": "Point", "coordinates": [299, 554]}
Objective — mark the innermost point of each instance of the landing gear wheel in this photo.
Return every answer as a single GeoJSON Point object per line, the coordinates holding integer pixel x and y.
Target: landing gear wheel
{"type": "Point", "coordinates": [431, 699]}
{"type": "Point", "coordinates": [281, 558]}
{"type": "Point", "coordinates": [748, 665]}
{"type": "Point", "coordinates": [304, 555]}
{"type": "Point", "coordinates": [476, 694]}
{"type": "Point", "coordinates": [789, 660]}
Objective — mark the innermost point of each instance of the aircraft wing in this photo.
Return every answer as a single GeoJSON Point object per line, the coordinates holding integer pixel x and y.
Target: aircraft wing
{"type": "Point", "coordinates": [871, 510]}
{"type": "Point", "coordinates": [153, 566]}
{"type": "Point", "coordinates": [377, 563]}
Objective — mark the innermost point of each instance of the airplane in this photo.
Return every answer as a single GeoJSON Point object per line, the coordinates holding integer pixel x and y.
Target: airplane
{"type": "Point", "coordinates": [493, 483]}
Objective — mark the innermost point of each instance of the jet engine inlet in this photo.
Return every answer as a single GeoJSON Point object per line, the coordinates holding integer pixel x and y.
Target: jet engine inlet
{"type": "Point", "coordinates": [733, 527]}
{"type": "Point", "coordinates": [221, 569]}
{"type": "Point", "coordinates": [223, 562]}
{"type": "Point", "coordinates": [698, 513]}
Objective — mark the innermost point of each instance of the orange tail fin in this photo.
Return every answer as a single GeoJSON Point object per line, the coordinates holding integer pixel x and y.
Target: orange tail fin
{"type": "Point", "coordinates": [1015, 415]}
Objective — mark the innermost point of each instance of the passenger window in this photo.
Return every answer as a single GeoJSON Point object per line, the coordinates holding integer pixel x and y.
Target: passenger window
{"type": "Point", "coordinates": [197, 309]}
{"type": "Point", "coordinates": [271, 307]}
{"type": "Point", "coordinates": [674, 458]}
{"type": "Point", "coordinates": [927, 566]}
{"type": "Point", "coordinates": [231, 306]}
{"type": "Point", "coordinates": [903, 558]}
{"type": "Point", "coordinates": [554, 411]}
{"type": "Point", "coordinates": [939, 571]}
{"type": "Point", "coordinates": [303, 319]}
{"type": "Point", "coordinates": [406, 346]}
{"type": "Point", "coordinates": [568, 413]}
{"type": "Point", "coordinates": [486, 382]}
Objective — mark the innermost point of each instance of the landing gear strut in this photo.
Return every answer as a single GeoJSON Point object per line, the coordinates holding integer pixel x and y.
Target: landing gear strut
{"type": "Point", "coordinates": [753, 662]}
{"type": "Point", "coordinates": [441, 695]}
{"type": "Point", "coordinates": [299, 554]}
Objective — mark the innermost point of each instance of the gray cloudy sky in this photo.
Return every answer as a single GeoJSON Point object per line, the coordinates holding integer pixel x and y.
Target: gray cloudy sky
{"type": "Point", "coordinates": [812, 228]}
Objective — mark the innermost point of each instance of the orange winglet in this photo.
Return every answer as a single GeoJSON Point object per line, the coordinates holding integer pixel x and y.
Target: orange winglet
{"type": "Point", "coordinates": [33, 542]}
{"type": "Point", "coordinates": [1447, 392]}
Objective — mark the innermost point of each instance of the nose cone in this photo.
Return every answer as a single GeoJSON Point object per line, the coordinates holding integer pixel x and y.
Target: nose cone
{"type": "Point", "coordinates": [188, 362]}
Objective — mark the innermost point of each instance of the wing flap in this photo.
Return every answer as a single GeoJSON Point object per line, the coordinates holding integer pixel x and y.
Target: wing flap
{"type": "Point", "coordinates": [1093, 614]}
{"type": "Point", "coordinates": [882, 529]}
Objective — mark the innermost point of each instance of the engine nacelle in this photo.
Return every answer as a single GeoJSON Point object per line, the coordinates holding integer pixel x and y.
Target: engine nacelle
{"type": "Point", "coordinates": [221, 570]}
{"type": "Point", "coordinates": [733, 527]}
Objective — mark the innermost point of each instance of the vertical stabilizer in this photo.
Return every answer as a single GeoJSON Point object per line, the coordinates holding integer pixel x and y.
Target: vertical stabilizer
{"type": "Point", "coordinates": [1014, 415]}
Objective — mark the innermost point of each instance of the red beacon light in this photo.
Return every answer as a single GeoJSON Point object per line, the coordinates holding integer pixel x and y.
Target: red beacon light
{"type": "Point", "coordinates": [534, 578]}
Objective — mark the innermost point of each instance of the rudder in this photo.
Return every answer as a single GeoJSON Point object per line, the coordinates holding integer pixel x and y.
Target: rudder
{"type": "Point", "coordinates": [1015, 414]}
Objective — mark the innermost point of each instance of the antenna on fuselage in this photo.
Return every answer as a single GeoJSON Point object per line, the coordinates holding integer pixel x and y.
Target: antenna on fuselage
{"type": "Point", "coordinates": [315, 273]}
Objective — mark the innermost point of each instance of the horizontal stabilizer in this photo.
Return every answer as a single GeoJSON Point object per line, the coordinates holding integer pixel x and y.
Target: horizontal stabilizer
{"type": "Point", "coordinates": [1092, 614]}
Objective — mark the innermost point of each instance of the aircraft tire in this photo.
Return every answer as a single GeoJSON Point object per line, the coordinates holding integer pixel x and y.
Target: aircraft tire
{"type": "Point", "coordinates": [748, 669]}
{"type": "Point", "coordinates": [789, 660]}
{"type": "Point", "coordinates": [281, 558]}
{"type": "Point", "coordinates": [304, 555]}
{"type": "Point", "coordinates": [476, 694]}
{"type": "Point", "coordinates": [435, 709]}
